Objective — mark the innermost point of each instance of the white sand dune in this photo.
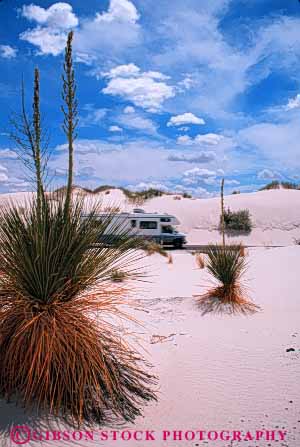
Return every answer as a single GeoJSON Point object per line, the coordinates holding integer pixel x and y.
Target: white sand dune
{"type": "Point", "coordinates": [275, 215]}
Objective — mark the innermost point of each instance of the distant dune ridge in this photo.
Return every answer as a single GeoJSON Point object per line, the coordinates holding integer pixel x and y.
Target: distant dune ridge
{"type": "Point", "coordinates": [275, 213]}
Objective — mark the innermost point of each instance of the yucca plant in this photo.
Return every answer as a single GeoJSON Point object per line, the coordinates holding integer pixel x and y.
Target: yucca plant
{"type": "Point", "coordinates": [227, 265]}
{"type": "Point", "coordinates": [54, 353]}
{"type": "Point", "coordinates": [59, 350]}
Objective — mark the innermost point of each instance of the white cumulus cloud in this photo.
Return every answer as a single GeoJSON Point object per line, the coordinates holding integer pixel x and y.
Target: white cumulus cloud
{"type": "Point", "coordinates": [58, 15]}
{"type": "Point", "coordinates": [52, 25]}
{"type": "Point", "coordinates": [185, 118]}
{"type": "Point", "coordinates": [293, 103]}
{"type": "Point", "coordinates": [129, 109]}
{"type": "Point", "coordinates": [142, 88]}
{"type": "Point", "coordinates": [209, 139]}
{"type": "Point", "coordinates": [7, 52]}
{"type": "Point", "coordinates": [115, 129]}
{"type": "Point", "coordinates": [119, 10]}
{"type": "Point", "coordinates": [199, 172]}
{"type": "Point", "coordinates": [108, 33]}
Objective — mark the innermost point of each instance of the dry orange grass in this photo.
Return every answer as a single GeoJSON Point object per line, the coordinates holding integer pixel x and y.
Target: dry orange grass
{"type": "Point", "coordinates": [243, 251]}
{"type": "Point", "coordinates": [200, 260]}
{"type": "Point", "coordinates": [61, 359]}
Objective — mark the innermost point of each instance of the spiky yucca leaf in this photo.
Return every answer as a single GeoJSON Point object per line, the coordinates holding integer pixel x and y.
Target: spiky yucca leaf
{"type": "Point", "coordinates": [53, 353]}
{"type": "Point", "coordinates": [226, 265]}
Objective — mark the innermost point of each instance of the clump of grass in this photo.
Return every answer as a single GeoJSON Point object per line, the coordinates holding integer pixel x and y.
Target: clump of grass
{"type": "Point", "coordinates": [170, 259]}
{"type": "Point", "coordinates": [53, 353]}
{"type": "Point", "coordinates": [227, 267]}
{"type": "Point", "coordinates": [151, 247]}
{"type": "Point", "coordinates": [200, 260]}
{"type": "Point", "coordinates": [242, 251]}
{"type": "Point", "coordinates": [118, 275]}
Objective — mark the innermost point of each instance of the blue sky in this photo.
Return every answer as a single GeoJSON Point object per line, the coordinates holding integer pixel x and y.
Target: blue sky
{"type": "Point", "coordinates": [171, 94]}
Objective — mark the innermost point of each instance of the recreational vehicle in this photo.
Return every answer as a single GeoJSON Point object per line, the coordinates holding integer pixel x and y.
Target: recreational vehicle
{"type": "Point", "coordinates": [153, 226]}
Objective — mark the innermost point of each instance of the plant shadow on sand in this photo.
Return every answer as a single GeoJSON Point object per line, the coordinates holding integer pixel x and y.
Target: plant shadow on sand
{"type": "Point", "coordinates": [13, 415]}
{"type": "Point", "coordinates": [16, 421]}
{"type": "Point", "coordinates": [209, 304]}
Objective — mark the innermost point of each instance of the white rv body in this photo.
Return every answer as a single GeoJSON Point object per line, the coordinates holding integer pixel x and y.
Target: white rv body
{"type": "Point", "coordinates": [153, 226]}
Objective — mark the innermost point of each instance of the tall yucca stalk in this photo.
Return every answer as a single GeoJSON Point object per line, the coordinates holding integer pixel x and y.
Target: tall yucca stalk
{"type": "Point", "coordinates": [59, 350]}
{"type": "Point", "coordinates": [222, 213]}
{"type": "Point", "coordinates": [28, 136]}
{"type": "Point", "coordinates": [227, 265]}
{"type": "Point", "coordinates": [70, 114]}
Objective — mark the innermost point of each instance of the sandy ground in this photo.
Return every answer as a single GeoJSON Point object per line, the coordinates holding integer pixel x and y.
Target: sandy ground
{"type": "Point", "coordinates": [216, 372]}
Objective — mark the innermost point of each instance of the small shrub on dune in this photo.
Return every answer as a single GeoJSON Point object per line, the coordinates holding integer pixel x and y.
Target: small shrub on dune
{"type": "Point", "coordinates": [237, 221]}
{"type": "Point", "coordinates": [275, 184]}
{"type": "Point", "coordinates": [53, 353]}
{"type": "Point", "coordinates": [227, 267]}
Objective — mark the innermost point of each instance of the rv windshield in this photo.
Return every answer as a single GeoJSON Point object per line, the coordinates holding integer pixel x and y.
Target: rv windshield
{"type": "Point", "coordinates": [168, 229]}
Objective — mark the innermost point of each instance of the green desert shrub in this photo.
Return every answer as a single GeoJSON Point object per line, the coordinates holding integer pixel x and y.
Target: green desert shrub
{"type": "Point", "coordinates": [237, 220]}
{"type": "Point", "coordinates": [227, 265]}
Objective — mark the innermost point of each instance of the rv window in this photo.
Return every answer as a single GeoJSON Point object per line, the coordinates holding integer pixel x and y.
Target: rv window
{"type": "Point", "coordinates": [148, 225]}
{"type": "Point", "coordinates": [165, 219]}
{"type": "Point", "coordinates": [133, 223]}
